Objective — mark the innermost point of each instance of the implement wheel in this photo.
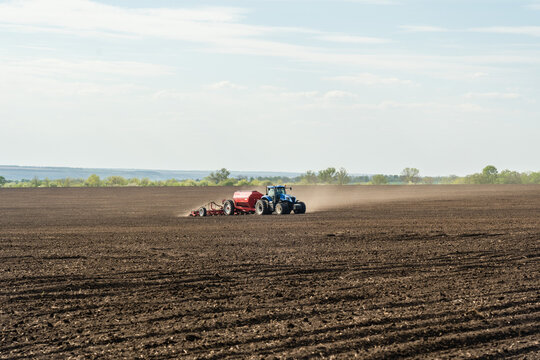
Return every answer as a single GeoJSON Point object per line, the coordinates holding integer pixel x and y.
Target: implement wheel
{"type": "Point", "coordinates": [202, 211]}
{"type": "Point", "coordinates": [283, 209]}
{"type": "Point", "coordinates": [228, 207]}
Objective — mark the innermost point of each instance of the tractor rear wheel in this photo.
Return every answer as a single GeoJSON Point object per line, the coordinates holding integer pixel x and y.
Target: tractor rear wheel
{"type": "Point", "coordinates": [261, 207]}
{"type": "Point", "coordinates": [228, 207]}
{"type": "Point", "coordinates": [283, 209]}
{"type": "Point", "coordinates": [300, 209]}
{"type": "Point", "coordinates": [202, 211]}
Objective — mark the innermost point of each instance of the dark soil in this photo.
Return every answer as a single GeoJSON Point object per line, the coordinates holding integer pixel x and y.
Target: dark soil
{"type": "Point", "coordinates": [380, 272]}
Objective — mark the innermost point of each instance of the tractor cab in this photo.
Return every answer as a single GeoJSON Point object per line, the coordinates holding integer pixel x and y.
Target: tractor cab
{"type": "Point", "coordinates": [278, 193]}
{"type": "Point", "coordinates": [276, 190]}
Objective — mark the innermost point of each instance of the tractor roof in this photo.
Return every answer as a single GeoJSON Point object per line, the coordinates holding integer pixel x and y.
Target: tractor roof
{"type": "Point", "coordinates": [275, 186]}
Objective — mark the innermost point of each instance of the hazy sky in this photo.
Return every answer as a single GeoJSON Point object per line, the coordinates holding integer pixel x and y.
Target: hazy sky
{"type": "Point", "coordinates": [446, 86]}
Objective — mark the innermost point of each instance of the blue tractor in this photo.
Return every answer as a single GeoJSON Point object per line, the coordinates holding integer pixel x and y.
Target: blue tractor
{"type": "Point", "coordinates": [277, 200]}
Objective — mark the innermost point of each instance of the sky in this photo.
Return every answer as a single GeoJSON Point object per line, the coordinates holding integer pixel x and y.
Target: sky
{"type": "Point", "coordinates": [446, 86]}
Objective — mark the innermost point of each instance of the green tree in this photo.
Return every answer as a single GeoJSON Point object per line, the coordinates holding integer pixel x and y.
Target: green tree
{"type": "Point", "coordinates": [451, 179]}
{"type": "Point", "coordinates": [410, 175]}
{"type": "Point", "coordinates": [203, 183]}
{"type": "Point", "coordinates": [35, 182]}
{"type": "Point", "coordinates": [3, 181]}
{"type": "Point", "coordinates": [145, 182]}
{"type": "Point", "coordinates": [342, 177]}
{"type": "Point", "coordinates": [360, 179]}
{"type": "Point", "coordinates": [379, 179]}
{"type": "Point", "coordinates": [134, 182]}
{"type": "Point", "coordinates": [227, 182]}
{"type": "Point", "coordinates": [115, 180]}
{"type": "Point", "coordinates": [474, 179]}
{"type": "Point", "coordinates": [172, 182]}
{"type": "Point", "coordinates": [93, 181]}
{"type": "Point", "coordinates": [490, 174]}
{"type": "Point", "coordinates": [218, 176]}
{"type": "Point", "coordinates": [242, 182]}
{"type": "Point", "coordinates": [327, 176]}
{"type": "Point", "coordinates": [509, 177]}
{"type": "Point", "coordinates": [188, 182]}
{"type": "Point", "coordinates": [533, 178]}
{"type": "Point", "coordinates": [65, 182]}
{"type": "Point", "coordinates": [309, 177]}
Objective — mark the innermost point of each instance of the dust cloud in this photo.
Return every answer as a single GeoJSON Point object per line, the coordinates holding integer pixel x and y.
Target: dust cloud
{"type": "Point", "coordinates": [328, 197]}
{"type": "Point", "coordinates": [321, 198]}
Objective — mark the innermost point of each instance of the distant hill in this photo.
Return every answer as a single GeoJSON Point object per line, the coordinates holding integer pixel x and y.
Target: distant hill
{"type": "Point", "coordinates": [11, 172]}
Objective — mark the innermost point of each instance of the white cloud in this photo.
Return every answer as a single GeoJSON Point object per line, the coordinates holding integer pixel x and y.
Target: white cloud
{"type": "Point", "coordinates": [33, 47]}
{"type": "Point", "coordinates": [64, 78]}
{"type": "Point", "coordinates": [472, 108]}
{"type": "Point", "coordinates": [299, 94]}
{"type": "Point", "coordinates": [370, 79]}
{"type": "Point", "coordinates": [219, 30]}
{"type": "Point", "coordinates": [226, 85]}
{"type": "Point", "coordinates": [84, 16]}
{"type": "Point", "coordinates": [169, 95]}
{"type": "Point", "coordinates": [515, 30]}
{"type": "Point", "coordinates": [338, 94]}
{"type": "Point", "coordinates": [15, 85]}
{"type": "Point", "coordinates": [353, 39]}
{"type": "Point", "coordinates": [270, 88]}
{"type": "Point", "coordinates": [425, 107]}
{"type": "Point", "coordinates": [492, 95]}
{"type": "Point", "coordinates": [479, 75]}
{"type": "Point", "coordinates": [78, 69]}
{"type": "Point", "coordinates": [423, 28]}
{"type": "Point", "coordinates": [213, 25]}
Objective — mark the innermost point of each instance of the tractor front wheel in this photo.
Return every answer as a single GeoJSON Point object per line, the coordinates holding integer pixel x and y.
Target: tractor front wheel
{"type": "Point", "coordinates": [228, 207]}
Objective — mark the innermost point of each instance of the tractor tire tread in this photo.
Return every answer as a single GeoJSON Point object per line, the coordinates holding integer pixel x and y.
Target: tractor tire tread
{"type": "Point", "coordinates": [283, 209]}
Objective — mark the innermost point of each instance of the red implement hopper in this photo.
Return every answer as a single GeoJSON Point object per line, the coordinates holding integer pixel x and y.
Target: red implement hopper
{"type": "Point", "coordinates": [243, 202]}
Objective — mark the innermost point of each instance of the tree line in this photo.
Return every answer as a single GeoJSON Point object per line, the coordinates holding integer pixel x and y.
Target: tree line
{"type": "Point", "coordinates": [331, 175]}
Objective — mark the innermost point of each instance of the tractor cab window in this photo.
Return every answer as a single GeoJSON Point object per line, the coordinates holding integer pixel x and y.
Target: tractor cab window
{"type": "Point", "coordinates": [280, 191]}
{"type": "Point", "coordinates": [271, 192]}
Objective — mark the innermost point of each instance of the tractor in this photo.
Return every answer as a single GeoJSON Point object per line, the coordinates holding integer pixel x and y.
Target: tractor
{"type": "Point", "coordinates": [277, 200]}
{"type": "Point", "coordinates": [248, 202]}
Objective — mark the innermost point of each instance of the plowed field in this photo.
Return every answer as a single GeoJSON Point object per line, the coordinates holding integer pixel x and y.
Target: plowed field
{"type": "Point", "coordinates": [373, 272]}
